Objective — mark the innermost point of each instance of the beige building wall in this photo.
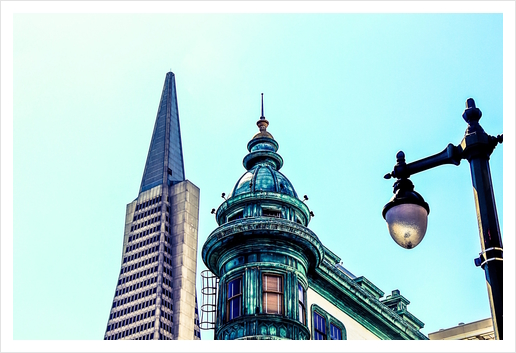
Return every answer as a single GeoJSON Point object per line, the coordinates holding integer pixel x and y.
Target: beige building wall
{"type": "Point", "coordinates": [184, 202]}
{"type": "Point", "coordinates": [354, 330]}
{"type": "Point", "coordinates": [478, 330]}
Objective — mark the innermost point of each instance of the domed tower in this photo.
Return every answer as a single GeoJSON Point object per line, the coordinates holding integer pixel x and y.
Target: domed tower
{"type": "Point", "coordinates": [262, 250]}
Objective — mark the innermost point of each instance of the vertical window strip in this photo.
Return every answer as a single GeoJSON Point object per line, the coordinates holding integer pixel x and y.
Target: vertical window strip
{"type": "Point", "coordinates": [335, 332]}
{"type": "Point", "coordinates": [234, 295]}
{"type": "Point", "coordinates": [272, 294]}
{"type": "Point", "coordinates": [319, 327]}
{"type": "Point", "coordinates": [301, 306]}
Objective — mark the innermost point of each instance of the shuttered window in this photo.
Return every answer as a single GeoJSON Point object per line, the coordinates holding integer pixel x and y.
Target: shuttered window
{"type": "Point", "coordinates": [272, 294]}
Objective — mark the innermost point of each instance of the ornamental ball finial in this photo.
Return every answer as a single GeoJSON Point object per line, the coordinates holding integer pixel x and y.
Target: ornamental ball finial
{"type": "Point", "coordinates": [470, 103]}
{"type": "Point", "coordinates": [471, 114]}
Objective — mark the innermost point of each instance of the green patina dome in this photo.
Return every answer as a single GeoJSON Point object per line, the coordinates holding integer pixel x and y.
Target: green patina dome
{"type": "Point", "coordinates": [263, 164]}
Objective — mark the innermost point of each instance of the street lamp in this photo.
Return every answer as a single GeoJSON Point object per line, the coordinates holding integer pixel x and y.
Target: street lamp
{"type": "Point", "coordinates": [406, 213]}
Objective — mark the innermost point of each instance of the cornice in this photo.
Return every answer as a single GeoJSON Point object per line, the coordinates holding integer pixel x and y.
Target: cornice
{"type": "Point", "coordinates": [243, 230]}
{"type": "Point", "coordinates": [341, 283]}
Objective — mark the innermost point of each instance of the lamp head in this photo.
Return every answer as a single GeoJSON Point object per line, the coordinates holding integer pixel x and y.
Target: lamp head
{"type": "Point", "coordinates": [406, 214]}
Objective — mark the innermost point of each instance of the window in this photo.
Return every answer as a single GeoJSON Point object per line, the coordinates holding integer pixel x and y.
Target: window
{"type": "Point", "coordinates": [271, 213]}
{"type": "Point", "coordinates": [325, 326]}
{"type": "Point", "coordinates": [234, 298]}
{"type": "Point", "coordinates": [301, 304]}
{"type": "Point", "coordinates": [237, 215]}
{"type": "Point", "coordinates": [272, 294]}
{"type": "Point", "coordinates": [335, 332]}
{"type": "Point", "coordinates": [319, 327]}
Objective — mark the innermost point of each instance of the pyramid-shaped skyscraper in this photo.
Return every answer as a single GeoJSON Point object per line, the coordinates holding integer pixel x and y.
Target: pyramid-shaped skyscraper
{"type": "Point", "coordinates": [155, 297]}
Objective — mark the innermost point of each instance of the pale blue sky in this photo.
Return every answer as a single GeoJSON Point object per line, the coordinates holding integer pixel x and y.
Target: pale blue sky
{"type": "Point", "coordinates": [343, 93]}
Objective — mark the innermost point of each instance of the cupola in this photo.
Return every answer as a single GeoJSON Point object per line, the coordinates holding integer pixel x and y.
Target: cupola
{"type": "Point", "coordinates": [263, 189]}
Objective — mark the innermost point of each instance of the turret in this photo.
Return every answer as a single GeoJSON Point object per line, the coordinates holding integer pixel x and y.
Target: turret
{"type": "Point", "coordinates": [262, 250]}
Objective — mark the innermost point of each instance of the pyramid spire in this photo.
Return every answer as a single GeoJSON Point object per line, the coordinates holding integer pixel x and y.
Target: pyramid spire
{"type": "Point", "coordinates": [165, 157]}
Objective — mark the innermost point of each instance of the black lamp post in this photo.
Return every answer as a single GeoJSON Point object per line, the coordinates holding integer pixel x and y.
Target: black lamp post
{"type": "Point", "coordinates": [406, 213]}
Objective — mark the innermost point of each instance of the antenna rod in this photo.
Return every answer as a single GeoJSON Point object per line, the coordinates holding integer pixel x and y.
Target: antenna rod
{"type": "Point", "coordinates": [262, 107]}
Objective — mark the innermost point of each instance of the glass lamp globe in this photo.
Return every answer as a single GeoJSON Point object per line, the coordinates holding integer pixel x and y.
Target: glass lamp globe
{"type": "Point", "coordinates": [407, 224]}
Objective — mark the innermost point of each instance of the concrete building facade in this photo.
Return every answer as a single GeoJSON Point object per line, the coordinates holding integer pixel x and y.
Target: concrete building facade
{"type": "Point", "coordinates": [155, 296]}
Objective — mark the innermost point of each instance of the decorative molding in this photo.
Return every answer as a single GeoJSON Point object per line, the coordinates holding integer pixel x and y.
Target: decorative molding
{"type": "Point", "coordinates": [243, 230]}
{"type": "Point", "coordinates": [263, 326]}
{"type": "Point", "coordinates": [363, 301]}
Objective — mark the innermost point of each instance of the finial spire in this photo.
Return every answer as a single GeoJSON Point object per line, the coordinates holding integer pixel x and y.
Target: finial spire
{"type": "Point", "coordinates": [262, 123]}
{"type": "Point", "coordinates": [262, 116]}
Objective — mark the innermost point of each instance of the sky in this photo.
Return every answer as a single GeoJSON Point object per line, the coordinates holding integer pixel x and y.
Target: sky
{"type": "Point", "coordinates": [344, 90]}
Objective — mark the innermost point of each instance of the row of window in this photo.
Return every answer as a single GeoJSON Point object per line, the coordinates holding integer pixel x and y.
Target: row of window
{"type": "Point", "coordinates": [133, 297]}
{"type": "Point", "coordinates": [271, 213]}
{"type": "Point", "coordinates": [167, 292]}
{"type": "Point", "coordinates": [145, 223]}
{"type": "Point", "coordinates": [164, 337]}
{"type": "Point", "coordinates": [138, 275]}
{"type": "Point", "coordinates": [135, 318]}
{"type": "Point", "coordinates": [325, 326]}
{"type": "Point", "coordinates": [135, 307]}
{"type": "Point", "coordinates": [148, 203]}
{"type": "Point", "coordinates": [167, 281]}
{"type": "Point", "coordinates": [134, 330]}
{"type": "Point", "coordinates": [166, 303]}
{"type": "Point", "coordinates": [166, 315]}
{"type": "Point", "coordinates": [144, 233]}
{"type": "Point", "coordinates": [138, 265]}
{"type": "Point", "coordinates": [135, 286]}
{"type": "Point", "coordinates": [168, 271]}
{"type": "Point", "coordinates": [142, 243]}
{"type": "Point", "coordinates": [168, 249]}
{"type": "Point", "coordinates": [166, 259]}
{"type": "Point", "coordinates": [266, 212]}
{"type": "Point", "coordinates": [131, 319]}
{"type": "Point", "coordinates": [141, 253]}
{"type": "Point", "coordinates": [165, 326]}
{"type": "Point", "coordinates": [146, 213]}
{"type": "Point", "coordinates": [272, 296]}
{"type": "Point", "coordinates": [145, 337]}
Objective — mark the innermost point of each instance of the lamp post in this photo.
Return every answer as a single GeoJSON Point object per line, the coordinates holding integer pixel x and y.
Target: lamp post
{"type": "Point", "coordinates": [406, 213]}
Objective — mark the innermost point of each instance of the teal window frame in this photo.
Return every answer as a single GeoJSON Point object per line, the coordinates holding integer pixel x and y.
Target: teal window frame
{"type": "Point", "coordinates": [266, 292]}
{"type": "Point", "coordinates": [319, 324]}
{"type": "Point", "coordinates": [238, 298]}
{"type": "Point", "coordinates": [329, 321]}
{"type": "Point", "coordinates": [301, 306]}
